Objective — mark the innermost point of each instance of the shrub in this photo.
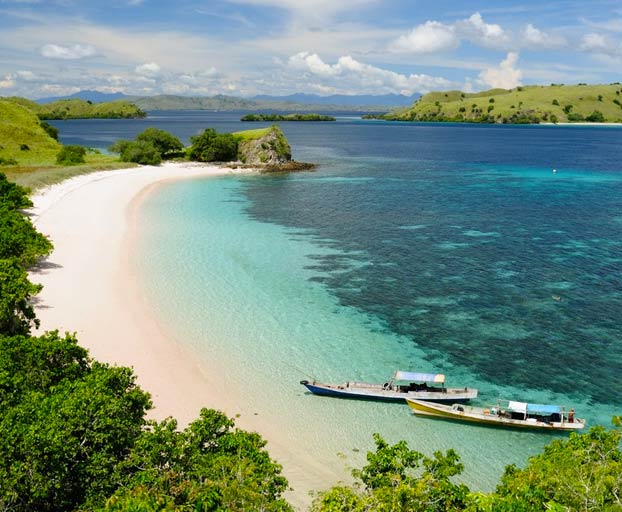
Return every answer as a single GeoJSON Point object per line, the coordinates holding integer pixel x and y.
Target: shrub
{"type": "Point", "coordinates": [211, 146]}
{"type": "Point", "coordinates": [8, 161]}
{"type": "Point", "coordinates": [555, 102]}
{"type": "Point", "coordinates": [596, 117]}
{"type": "Point", "coordinates": [491, 108]}
{"type": "Point", "coordinates": [567, 109]}
{"type": "Point", "coordinates": [575, 117]}
{"type": "Point", "coordinates": [553, 119]}
{"type": "Point", "coordinates": [139, 152]}
{"type": "Point", "coordinates": [71, 155]}
{"type": "Point", "coordinates": [167, 144]}
{"type": "Point", "coordinates": [24, 147]}
{"type": "Point", "coordinates": [50, 130]}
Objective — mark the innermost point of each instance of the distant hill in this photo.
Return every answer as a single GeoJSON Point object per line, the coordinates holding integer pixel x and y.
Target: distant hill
{"type": "Point", "coordinates": [92, 96]}
{"type": "Point", "coordinates": [22, 139]}
{"type": "Point", "coordinates": [81, 109]}
{"type": "Point", "coordinates": [522, 105]}
{"type": "Point", "coordinates": [299, 102]}
{"type": "Point", "coordinates": [385, 100]}
{"type": "Point", "coordinates": [234, 103]}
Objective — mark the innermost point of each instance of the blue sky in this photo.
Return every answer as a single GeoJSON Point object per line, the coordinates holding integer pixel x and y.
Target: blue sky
{"type": "Point", "coordinates": [248, 47]}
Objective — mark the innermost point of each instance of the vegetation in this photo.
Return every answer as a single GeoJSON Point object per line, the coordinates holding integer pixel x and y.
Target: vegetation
{"type": "Point", "coordinates": [523, 105]}
{"type": "Point", "coordinates": [286, 117]}
{"type": "Point", "coordinates": [81, 109]}
{"type": "Point", "coordinates": [583, 472]}
{"type": "Point", "coordinates": [211, 146]}
{"type": "Point", "coordinates": [73, 432]}
{"type": "Point", "coordinates": [71, 155]}
{"type": "Point", "coordinates": [150, 147]}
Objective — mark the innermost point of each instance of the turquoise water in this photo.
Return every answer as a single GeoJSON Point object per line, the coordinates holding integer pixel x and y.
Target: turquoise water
{"type": "Point", "coordinates": [419, 247]}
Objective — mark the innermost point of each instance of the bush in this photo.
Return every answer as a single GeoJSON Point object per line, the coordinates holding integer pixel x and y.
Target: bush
{"type": "Point", "coordinates": [212, 146]}
{"type": "Point", "coordinates": [596, 117]}
{"type": "Point", "coordinates": [167, 144]}
{"type": "Point", "coordinates": [139, 152]}
{"type": "Point", "coordinates": [71, 155]}
{"type": "Point", "coordinates": [555, 102]}
{"type": "Point", "coordinates": [24, 147]}
{"type": "Point", "coordinates": [8, 161]}
{"type": "Point", "coordinates": [50, 130]}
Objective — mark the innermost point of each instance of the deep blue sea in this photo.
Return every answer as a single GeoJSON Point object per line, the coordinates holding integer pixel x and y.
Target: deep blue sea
{"type": "Point", "coordinates": [492, 254]}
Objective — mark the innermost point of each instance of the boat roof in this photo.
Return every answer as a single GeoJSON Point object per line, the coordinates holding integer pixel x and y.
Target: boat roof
{"type": "Point", "coordinates": [534, 408]}
{"type": "Point", "coordinates": [419, 377]}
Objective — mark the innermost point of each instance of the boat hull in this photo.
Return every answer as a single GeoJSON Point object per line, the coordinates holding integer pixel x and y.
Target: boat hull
{"type": "Point", "coordinates": [484, 416]}
{"type": "Point", "coordinates": [363, 391]}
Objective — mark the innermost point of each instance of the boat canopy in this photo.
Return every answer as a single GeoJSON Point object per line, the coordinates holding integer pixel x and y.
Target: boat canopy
{"type": "Point", "coordinates": [517, 406]}
{"type": "Point", "coordinates": [543, 409]}
{"type": "Point", "coordinates": [419, 377]}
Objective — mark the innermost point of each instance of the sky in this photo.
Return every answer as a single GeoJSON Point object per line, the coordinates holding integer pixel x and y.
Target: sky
{"type": "Point", "coordinates": [280, 47]}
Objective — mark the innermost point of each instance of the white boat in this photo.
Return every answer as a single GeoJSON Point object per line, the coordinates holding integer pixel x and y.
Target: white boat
{"type": "Point", "coordinates": [421, 386]}
{"type": "Point", "coordinates": [506, 413]}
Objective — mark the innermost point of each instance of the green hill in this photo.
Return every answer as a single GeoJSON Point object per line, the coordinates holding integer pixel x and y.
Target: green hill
{"type": "Point", "coordinates": [81, 109]}
{"type": "Point", "coordinates": [22, 139]}
{"type": "Point", "coordinates": [522, 105]}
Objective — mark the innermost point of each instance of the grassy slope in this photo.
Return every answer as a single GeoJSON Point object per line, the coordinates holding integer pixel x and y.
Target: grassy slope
{"type": "Point", "coordinates": [36, 167]}
{"type": "Point", "coordinates": [80, 109]}
{"type": "Point", "coordinates": [18, 126]}
{"type": "Point", "coordinates": [536, 101]}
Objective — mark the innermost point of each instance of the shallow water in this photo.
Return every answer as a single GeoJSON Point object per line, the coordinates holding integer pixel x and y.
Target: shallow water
{"type": "Point", "coordinates": [420, 247]}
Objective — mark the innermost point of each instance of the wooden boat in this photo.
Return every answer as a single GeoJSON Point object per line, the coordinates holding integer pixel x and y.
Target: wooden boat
{"type": "Point", "coordinates": [506, 413]}
{"type": "Point", "coordinates": [402, 385]}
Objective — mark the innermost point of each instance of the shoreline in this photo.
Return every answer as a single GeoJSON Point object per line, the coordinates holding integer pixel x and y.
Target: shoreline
{"type": "Point", "coordinates": [91, 287]}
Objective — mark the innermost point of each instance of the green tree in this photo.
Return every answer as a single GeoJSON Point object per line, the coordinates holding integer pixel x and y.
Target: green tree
{"type": "Point", "coordinates": [12, 195]}
{"type": "Point", "coordinates": [71, 155]}
{"type": "Point", "coordinates": [52, 131]}
{"type": "Point", "coordinates": [17, 315]}
{"type": "Point", "coordinates": [583, 472]}
{"type": "Point", "coordinates": [140, 152]}
{"type": "Point", "coordinates": [59, 448]}
{"type": "Point", "coordinates": [19, 239]}
{"type": "Point", "coordinates": [166, 143]}
{"type": "Point", "coordinates": [208, 466]}
{"type": "Point", "coordinates": [596, 117]}
{"type": "Point", "coordinates": [211, 146]}
{"type": "Point", "coordinates": [399, 479]}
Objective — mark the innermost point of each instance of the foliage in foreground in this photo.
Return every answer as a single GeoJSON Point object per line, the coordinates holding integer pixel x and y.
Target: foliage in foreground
{"type": "Point", "coordinates": [583, 472]}
{"type": "Point", "coordinates": [73, 433]}
{"type": "Point", "coordinates": [71, 155]}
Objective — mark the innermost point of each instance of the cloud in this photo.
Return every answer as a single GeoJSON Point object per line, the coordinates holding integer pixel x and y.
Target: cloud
{"type": "Point", "coordinates": [434, 36]}
{"type": "Point", "coordinates": [598, 43]}
{"type": "Point", "coordinates": [28, 76]}
{"type": "Point", "coordinates": [348, 75]}
{"type": "Point", "coordinates": [148, 69]}
{"type": "Point", "coordinates": [536, 39]}
{"type": "Point", "coordinates": [7, 82]}
{"type": "Point", "coordinates": [77, 51]}
{"type": "Point", "coordinates": [476, 30]}
{"type": "Point", "coordinates": [505, 76]}
{"type": "Point", "coordinates": [431, 37]}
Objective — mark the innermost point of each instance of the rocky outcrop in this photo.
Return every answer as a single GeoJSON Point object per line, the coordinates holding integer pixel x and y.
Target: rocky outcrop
{"type": "Point", "coordinates": [267, 147]}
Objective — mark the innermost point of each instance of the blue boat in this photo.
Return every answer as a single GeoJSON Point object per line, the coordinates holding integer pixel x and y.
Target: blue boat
{"type": "Point", "coordinates": [418, 386]}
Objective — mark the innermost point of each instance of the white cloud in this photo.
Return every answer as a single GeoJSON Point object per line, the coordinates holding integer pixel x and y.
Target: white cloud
{"type": "Point", "coordinates": [28, 76]}
{"type": "Point", "coordinates": [431, 37]}
{"type": "Point", "coordinates": [77, 51]}
{"type": "Point", "coordinates": [536, 39]}
{"type": "Point", "coordinates": [58, 89]}
{"type": "Point", "coordinates": [348, 75]}
{"type": "Point", "coordinates": [598, 43]}
{"type": "Point", "coordinates": [148, 69]}
{"type": "Point", "coordinates": [504, 76]}
{"type": "Point", "coordinates": [7, 82]}
{"type": "Point", "coordinates": [476, 30]}
{"type": "Point", "coordinates": [434, 36]}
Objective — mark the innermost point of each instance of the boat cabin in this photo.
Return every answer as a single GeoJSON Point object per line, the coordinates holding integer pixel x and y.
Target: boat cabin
{"type": "Point", "coordinates": [413, 381]}
{"type": "Point", "coordinates": [540, 412]}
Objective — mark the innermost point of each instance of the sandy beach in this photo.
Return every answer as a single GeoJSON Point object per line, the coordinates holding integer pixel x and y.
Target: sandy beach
{"type": "Point", "coordinates": [89, 289]}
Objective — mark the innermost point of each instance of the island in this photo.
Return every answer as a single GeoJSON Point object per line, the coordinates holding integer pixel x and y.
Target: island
{"type": "Point", "coordinates": [81, 109]}
{"type": "Point", "coordinates": [555, 103]}
{"type": "Point", "coordinates": [286, 117]}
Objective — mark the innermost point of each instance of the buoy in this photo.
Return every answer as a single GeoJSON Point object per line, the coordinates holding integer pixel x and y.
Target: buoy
{"type": "Point", "coordinates": [554, 171]}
